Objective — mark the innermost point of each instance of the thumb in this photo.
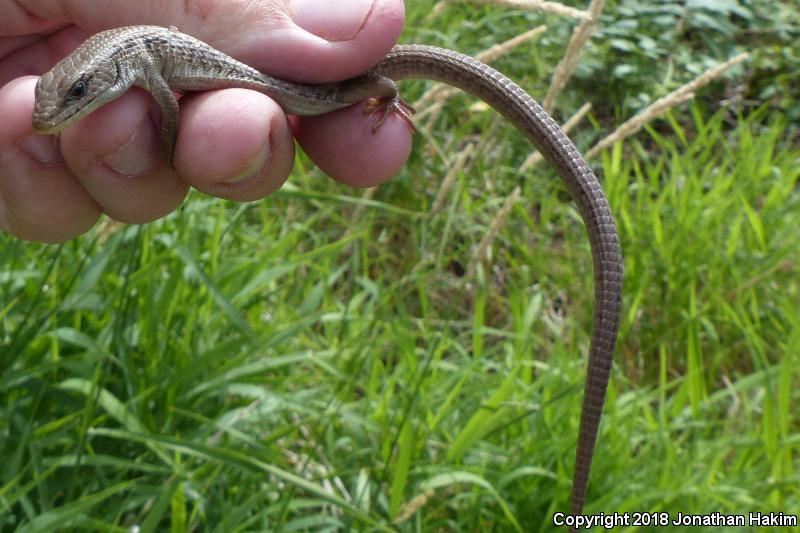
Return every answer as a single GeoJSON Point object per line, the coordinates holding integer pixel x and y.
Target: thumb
{"type": "Point", "coordinates": [303, 40]}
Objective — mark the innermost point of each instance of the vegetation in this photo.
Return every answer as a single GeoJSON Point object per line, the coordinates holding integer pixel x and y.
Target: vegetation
{"type": "Point", "coordinates": [321, 361]}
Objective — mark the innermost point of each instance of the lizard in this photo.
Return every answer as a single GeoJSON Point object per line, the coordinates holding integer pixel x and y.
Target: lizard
{"type": "Point", "coordinates": [163, 60]}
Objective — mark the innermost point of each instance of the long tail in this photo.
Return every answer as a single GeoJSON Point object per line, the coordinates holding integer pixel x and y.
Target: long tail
{"type": "Point", "coordinates": [505, 96]}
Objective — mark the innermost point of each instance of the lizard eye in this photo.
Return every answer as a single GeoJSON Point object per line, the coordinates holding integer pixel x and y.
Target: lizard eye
{"type": "Point", "coordinates": [78, 90]}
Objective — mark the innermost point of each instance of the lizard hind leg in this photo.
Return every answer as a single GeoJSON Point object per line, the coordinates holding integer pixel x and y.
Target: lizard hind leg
{"type": "Point", "coordinates": [381, 95]}
{"type": "Point", "coordinates": [388, 105]}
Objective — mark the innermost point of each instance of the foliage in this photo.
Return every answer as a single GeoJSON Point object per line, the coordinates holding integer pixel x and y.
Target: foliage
{"type": "Point", "coordinates": [317, 361]}
{"type": "Point", "coordinates": [644, 49]}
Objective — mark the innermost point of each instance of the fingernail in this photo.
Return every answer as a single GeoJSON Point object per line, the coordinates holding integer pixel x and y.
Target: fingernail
{"type": "Point", "coordinates": [333, 21]}
{"type": "Point", "coordinates": [253, 169]}
{"type": "Point", "coordinates": [127, 160]}
{"type": "Point", "coordinates": [42, 148]}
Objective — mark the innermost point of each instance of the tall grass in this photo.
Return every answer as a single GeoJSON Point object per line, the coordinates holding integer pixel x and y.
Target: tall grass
{"type": "Point", "coordinates": [287, 365]}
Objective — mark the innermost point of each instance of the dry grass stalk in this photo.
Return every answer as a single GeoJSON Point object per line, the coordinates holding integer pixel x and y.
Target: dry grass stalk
{"type": "Point", "coordinates": [484, 145]}
{"type": "Point", "coordinates": [369, 194]}
{"type": "Point", "coordinates": [438, 8]}
{"type": "Point", "coordinates": [660, 106]}
{"type": "Point", "coordinates": [311, 470]}
{"type": "Point", "coordinates": [542, 6]}
{"type": "Point", "coordinates": [415, 504]}
{"type": "Point", "coordinates": [567, 65]}
{"type": "Point", "coordinates": [450, 178]}
{"type": "Point", "coordinates": [494, 229]}
{"type": "Point", "coordinates": [536, 157]}
{"type": "Point", "coordinates": [107, 228]}
{"type": "Point", "coordinates": [488, 145]}
{"type": "Point", "coordinates": [431, 115]}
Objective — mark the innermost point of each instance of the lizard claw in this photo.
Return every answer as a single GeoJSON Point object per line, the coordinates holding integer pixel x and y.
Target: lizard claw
{"type": "Point", "coordinates": [386, 106]}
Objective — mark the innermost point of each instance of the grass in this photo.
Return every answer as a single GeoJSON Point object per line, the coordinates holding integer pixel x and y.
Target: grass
{"type": "Point", "coordinates": [290, 365]}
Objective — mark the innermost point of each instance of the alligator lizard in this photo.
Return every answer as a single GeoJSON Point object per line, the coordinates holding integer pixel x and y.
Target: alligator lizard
{"type": "Point", "coordinates": [163, 60]}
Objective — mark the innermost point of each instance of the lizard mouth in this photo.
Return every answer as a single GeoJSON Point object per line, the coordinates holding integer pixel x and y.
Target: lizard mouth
{"type": "Point", "coordinates": [43, 123]}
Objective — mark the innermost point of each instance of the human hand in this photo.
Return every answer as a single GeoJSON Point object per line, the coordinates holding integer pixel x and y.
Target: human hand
{"type": "Point", "coordinates": [232, 143]}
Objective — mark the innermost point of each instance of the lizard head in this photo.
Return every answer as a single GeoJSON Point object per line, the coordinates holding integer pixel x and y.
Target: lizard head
{"type": "Point", "coordinates": [73, 88]}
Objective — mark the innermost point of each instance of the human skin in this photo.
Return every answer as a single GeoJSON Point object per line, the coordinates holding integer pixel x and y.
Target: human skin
{"type": "Point", "coordinates": [232, 143]}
